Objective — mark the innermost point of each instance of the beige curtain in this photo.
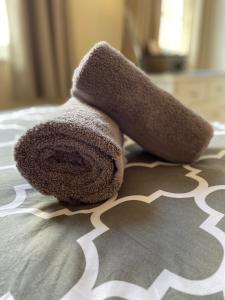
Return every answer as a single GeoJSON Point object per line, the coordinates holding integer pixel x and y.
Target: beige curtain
{"type": "Point", "coordinates": [39, 56]}
{"type": "Point", "coordinates": [142, 24]}
{"type": "Point", "coordinates": [200, 34]}
{"type": "Point", "coordinates": [208, 35]}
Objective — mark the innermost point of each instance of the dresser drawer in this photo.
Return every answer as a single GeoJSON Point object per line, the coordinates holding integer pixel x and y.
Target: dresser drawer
{"type": "Point", "coordinates": [191, 92]}
{"type": "Point", "coordinates": [217, 89]}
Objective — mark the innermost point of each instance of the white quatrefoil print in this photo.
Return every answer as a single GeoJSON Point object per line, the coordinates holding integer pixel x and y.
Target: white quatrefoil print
{"type": "Point", "coordinates": [161, 237]}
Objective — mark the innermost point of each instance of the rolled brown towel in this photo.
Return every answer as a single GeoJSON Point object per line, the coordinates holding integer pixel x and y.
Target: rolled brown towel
{"type": "Point", "coordinates": [146, 113]}
{"type": "Point", "coordinates": [76, 156]}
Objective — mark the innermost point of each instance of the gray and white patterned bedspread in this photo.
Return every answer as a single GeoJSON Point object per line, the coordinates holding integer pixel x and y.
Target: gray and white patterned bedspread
{"type": "Point", "coordinates": [162, 237]}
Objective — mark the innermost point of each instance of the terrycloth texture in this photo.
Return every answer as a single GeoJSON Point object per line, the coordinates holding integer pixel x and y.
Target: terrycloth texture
{"type": "Point", "coordinates": [77, 156]}
{"type": "Point", "coordinates": [146, 113]}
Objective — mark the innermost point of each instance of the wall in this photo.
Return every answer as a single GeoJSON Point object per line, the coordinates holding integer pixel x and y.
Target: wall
{"type": "Point", "coordinates": [94, 21]}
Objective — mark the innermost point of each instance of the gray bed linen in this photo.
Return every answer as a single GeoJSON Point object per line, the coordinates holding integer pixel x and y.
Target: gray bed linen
{"type": "Point", "coordinates": [162, 237]}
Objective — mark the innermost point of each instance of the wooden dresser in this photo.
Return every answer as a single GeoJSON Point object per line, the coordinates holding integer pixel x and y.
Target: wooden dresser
{"type": "Point", "coordinates": [203, 91]}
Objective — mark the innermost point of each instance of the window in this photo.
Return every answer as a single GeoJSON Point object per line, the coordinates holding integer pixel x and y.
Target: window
{"type": "Point", "coordinates": [175, 24]}
{"type": "Point", "coordinates": [4, 31]}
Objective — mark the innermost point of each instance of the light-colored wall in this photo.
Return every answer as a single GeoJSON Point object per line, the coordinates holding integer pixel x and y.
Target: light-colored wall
{"type": "Point", "coordinates": [94, 21]}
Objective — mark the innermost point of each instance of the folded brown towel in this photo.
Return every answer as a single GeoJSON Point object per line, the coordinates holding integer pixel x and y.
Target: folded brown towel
{"type": "Point", "coordinates": [146, 113]}
{"type": "Point", "coordinates": [76, 156]}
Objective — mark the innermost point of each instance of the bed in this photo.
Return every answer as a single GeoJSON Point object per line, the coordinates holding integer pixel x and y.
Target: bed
{"type": "Point", "coordinates": [161, 237]}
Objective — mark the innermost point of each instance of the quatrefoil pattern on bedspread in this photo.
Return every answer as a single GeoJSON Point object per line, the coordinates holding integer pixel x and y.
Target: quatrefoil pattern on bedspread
{"type": "Point", "coordinates": [161, 237]}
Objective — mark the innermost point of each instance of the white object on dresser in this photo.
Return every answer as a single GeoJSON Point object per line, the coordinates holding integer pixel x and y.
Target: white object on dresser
{"type": "Point", "coordinates": [202, 91]}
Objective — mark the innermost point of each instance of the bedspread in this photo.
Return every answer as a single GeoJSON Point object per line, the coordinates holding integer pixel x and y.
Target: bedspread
{"type": "Point", "coordinates": [161, 237]}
